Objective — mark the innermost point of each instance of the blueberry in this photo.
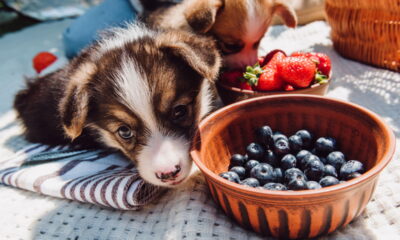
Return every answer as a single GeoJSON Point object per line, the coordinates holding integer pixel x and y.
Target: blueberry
{"type": "Point", "coordinates": [281, 147]}
{"type": "Point", "coordinates": [350, 167]}
{"type": "Point", "coordinates": [353, 175]}
{"type": "Point", "coordinates": [275, 187]}
{"type": "Point", "coordinates": [300, 155]}
{"type": "Point", "coordinates": [306, 159]}
{"type": "Point", "coordinates": [288, 161]}
{"type": "Point", "coordinates": [271, 158]}
{"type": "Point", "coordinates": [237, 160]}
{"type": "Point", "coordinates": [336, 159]}
{"type": "Point", "coordinates": [230, 176]}
{"type": "Point", "coordinates": [279, 135]}
{"type": "Point", "coordinates": [330, 171]}
{"type": "Point", "coordinates": [328, 181]}
{"type": "Point", "coordinates": [297, 184]}
{"type": "Point", "coordinates": [239, 170]}
{"type": "Point", "coordinates": [278, 175]}
{"type": "Point", "coordinates": [263, 172]}
{"type": "Point", "coordinates": [325, 145]}
{"type": "Point", "coordinates": [264, 136]}
{"type": "Point", "coordinates": [255, 151]}
{"type": "Point", "coordinates": [306, 138]}
{"type": "Point", "coordinates": [313, 185]}
{"type": "Point", "coordinates": [314, 169]}
{"type": "Point", "coordinates": [293, 173]}
{"type": "Point", "coordinates": [250, 164]}
{"type": "Point", "coordinates": [251, 182]}
{"type": "Point", "coordinates": [295, 143]}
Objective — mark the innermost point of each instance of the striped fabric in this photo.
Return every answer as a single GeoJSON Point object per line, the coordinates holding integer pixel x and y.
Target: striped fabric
{"type": "Point", "coordinates": [95, 176]}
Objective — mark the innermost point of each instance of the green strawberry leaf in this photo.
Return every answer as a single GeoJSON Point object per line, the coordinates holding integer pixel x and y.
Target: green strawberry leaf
{"type": "Point", "coordinates": [321, 78]}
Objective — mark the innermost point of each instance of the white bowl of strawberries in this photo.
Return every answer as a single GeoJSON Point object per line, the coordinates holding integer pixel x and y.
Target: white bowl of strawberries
{"type": "Point", "coordinates": [277, 73]}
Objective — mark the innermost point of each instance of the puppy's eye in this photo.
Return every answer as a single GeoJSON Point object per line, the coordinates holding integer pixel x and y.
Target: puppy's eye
{"type": "Point", "coordinates": [179, 113]}
{"type": "Point", "coordinates": [230, 48]}
{"type": "Point", "coordinates": [125, 132]}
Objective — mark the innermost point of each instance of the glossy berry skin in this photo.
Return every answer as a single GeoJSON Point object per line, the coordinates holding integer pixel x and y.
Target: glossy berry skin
{"type": "Point", "coordinates": [324, 65]}
{"type": "Point", "coordinates": [239, 170]}
{"type": "Point", "coordinates": [314, 170]}
{"type": "Point", "coordinates": [353, 175]}
{"type": "Point", "coordinates": [307, 159]}
{"type": "Point", "coordinates": [300, 155]}
{"type": "Point", "coordinates": [230, 176]}
{"type": "Point", "coordinates": [250, 165]}
{"type": "Point", "coordinates": [328, 181]}
{"type": "Point", "coordinates": [278, 175]}
{"type": "Point", "coordinates": [237, 160]}
{"type": "Point", "coordinates": [269, 80]}
{"type": "Point", "coordinates": [264, 136]}
{"type": "Point", "coordinates": [313, 185]}
{"type": "Point", "coordinates": [330, 171]}
{"type": "Point", "coordinates": [263, 172]}
{"type": "Point", "coordinates": [271, 158]}
{"type": "Point", "coordinates": [295, 143]}
{"type": "Point", "coordinates": [279, 135]}
{"type": "Point", "coordinates": [281, 147]}
{"type": "Point", "coordinates": [336, 159]}
{"type": "Point", "coordinates": [42, 60]}
{"type": "Point", "coordinates": [349, 168]}
{"type": "Point", "coordinates": [306, 137]}
{"type": "Point", "coordinates": [275, 187]}
{"type": "Point", "coordinates": [293, 173]}
{"type": "Point", "coordinates": [272, 58]}
{"type": "Point", "coordinates": [297, 71]}
{"type": "Point", "coordinates": [288, 161]}
{"type": "Point", "coordinates": [255, 151]}
{"type": "Point", "coordinates": [325, 145]}
{"type": "Point", "coordinates": [251, 182]}
{"type": "Point", "coordinates": [297, 184]}
{"type": "Point", "coordinates": [245, 86]}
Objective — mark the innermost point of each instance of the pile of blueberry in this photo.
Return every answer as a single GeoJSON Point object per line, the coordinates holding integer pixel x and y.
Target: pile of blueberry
{"type": "Point", "coordinates": [276, 162]}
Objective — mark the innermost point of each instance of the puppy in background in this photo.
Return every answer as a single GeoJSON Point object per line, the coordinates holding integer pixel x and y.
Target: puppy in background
{"type": "Point", "coordinates": [140, 91]}
{"type": "Point", "coordinates": [237, 25]}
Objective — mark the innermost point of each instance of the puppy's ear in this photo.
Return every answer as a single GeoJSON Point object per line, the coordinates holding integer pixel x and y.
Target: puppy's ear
{"type": "Point", "coordinates": [73, 107]}
{"type": "Point", "coordinates": [201, 14]}
{"type": "Point", "coordinates": [200, 53]}
{"type": "Point", "coordinates": [286, 12]}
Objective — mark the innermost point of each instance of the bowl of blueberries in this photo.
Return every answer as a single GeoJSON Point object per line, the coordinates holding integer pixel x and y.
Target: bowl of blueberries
{"type": "Point", "coordinates": [292, 166]}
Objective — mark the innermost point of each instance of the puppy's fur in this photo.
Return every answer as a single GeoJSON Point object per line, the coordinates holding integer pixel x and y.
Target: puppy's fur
{"type": "Point", "coordinates": [237, 25]}
{"type": "Point", "coordinates": [155, 84]}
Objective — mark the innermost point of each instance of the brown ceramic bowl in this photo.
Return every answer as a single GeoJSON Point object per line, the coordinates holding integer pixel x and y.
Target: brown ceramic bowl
{"type": "Point", "coordinates": [361, 134]}
{"type": "Point", "coordinates": [230, 94]}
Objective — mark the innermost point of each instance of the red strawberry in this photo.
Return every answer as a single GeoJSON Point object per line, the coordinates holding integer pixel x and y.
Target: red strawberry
{"type": "Point", "coordinates": [288, 87]}
{"type": "Point", "coordinates": [42, 60]}
{"type": "Point", "coordinates": [245, 86]}
{"type": "Point", "coordinates": [231, 78]}
{"type": "Point", "coordinates": [261, 60]}
{"type": "Point", "coordinates": [297, 71]}
{"type": "Point", "coordinates": [324, 65]}
{"type": "Point", "coordinates": [271, 55]}
{"type": "Point", "coordinates": [269, 81]}
{"type": "Point", "coordinates": [278, 56]}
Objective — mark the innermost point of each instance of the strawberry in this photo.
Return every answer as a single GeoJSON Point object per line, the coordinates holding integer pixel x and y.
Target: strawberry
{"type": "Point", "coordinates": [231, 78]}
{"type": "Point", "coordinates": [271, 55]}
{"type": "Point", "coordinates": [322, 60]}
{"type": "Point", "coordinates": [42, 60]}
{"type": "Point", "coordinates": [261, 61]}
{"type": "Point", "coordinates": [297, 71]}
{"type": "Point", "coordinates": [288, 87]}
{"type": "Point", "coordinates": [278, 56]}
{"type": "Point", "coordinates": [245, 86]}
{"type": "Point", "coordinates": [269, 81]}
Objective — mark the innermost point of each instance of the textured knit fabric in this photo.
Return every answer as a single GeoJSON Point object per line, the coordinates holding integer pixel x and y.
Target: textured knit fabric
{"type": "Point", "coordinates": [189, 212]}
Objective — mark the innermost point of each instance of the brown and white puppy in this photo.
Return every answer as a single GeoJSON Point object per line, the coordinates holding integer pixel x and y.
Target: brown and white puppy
{"type": "Point", "coordinates": [237, 25]}
{"type": "Point", "coordinates": [140, 91]}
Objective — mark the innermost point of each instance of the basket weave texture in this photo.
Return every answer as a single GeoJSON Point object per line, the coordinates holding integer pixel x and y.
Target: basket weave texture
{"type": "Point", "coordinates": [366, 30]}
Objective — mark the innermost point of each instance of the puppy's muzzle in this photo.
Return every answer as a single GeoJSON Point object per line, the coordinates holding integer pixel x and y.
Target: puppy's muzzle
{"type": "Point", "coordinates": [168, 176]}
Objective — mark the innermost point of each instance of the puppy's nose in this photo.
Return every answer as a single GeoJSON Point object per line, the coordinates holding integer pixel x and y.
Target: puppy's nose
{"type": "Point", "coordinates": [169, 175]}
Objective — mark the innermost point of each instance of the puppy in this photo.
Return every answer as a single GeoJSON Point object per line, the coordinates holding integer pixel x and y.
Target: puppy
{"type": "Point", "coordinates": [237, 25]}
{"type": "Point", "coordinates": [140, 91]}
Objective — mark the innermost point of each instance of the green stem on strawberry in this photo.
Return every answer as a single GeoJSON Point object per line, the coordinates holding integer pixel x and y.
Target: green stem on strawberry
{"type": "Point", "coordinates": [252, 74]}
{"type": "Point", "coordinates": [321, 78]}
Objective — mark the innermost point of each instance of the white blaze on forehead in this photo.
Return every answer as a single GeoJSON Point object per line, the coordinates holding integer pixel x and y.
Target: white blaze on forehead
{"type": "Point", "coordinates": [255, 22]}
{"type": "Point", "coordinates": [134, 91]}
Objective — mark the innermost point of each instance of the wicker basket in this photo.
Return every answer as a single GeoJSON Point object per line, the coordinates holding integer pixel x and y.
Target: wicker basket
{"type": "Point", "coordinates": [366, 30]}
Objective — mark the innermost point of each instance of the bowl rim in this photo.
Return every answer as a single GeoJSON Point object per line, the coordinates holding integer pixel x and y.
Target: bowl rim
{"type": "Point", "coordinates": [295, 91]}
{"type": "Point", "coordinates": [364, 178]}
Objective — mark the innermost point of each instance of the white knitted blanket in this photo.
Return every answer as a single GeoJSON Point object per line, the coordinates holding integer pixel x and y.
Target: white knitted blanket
{"type": "Point", "coordinates": [189, 212]}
